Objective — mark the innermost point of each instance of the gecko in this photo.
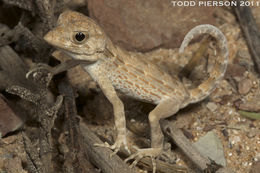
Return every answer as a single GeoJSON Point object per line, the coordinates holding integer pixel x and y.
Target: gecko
{"type": "Point", "coordinates": [115, 69]}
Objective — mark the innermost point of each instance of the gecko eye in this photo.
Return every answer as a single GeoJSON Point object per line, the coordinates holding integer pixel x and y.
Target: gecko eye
{"type": "Point", "coordinates": [80, 37]}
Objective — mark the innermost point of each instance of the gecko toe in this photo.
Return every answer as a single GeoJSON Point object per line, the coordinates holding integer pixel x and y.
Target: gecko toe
{"type": "Point", "coordinates": [153, 153]}
{"type": "Point", "coordinates": [120, 142]}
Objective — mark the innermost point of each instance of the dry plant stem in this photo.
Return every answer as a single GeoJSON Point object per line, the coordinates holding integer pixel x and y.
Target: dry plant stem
{"type": "Point", "coordinates": [251, 32]}
{"type": "Point", "coordinates": [32, 155]}
{"type": "Point", "coordinates": [37, 44]}
{"type": "Point", "coordinates": [101, 156]}
{"type": "Point", "coordinates": [36, 93]}
{"type": "Point", "coordinates": [46, 13]}
{"type": "Point", "coordinates": [196, 58]}
{"type": "Point", "coordinates": [183, 143]}
{"type": "Point", "coordinates": [46, 116]}
{"type": "Point", "coordinates": [75, 159]}
{"type": "Point", "coordinates": [162, 166]}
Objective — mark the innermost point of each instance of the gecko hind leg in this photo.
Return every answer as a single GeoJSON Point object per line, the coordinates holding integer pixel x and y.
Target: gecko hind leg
{"type": "Point", "coordinates": [164, 109]}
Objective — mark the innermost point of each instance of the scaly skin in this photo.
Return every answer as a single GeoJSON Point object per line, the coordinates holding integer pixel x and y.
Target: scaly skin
{"type": "Point", "coordinates": [115, 69]}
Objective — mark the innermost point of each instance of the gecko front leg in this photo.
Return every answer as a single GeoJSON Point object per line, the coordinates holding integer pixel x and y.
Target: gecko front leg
{"type": "Point", "coordinates": [120, 123]}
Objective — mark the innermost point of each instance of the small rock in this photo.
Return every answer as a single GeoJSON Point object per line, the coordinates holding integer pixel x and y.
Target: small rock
{"type": "Point", "coordinates": [244, 86]}
{"type": "Point", "coordinates": [211, 146]}
{"type": "Point", "coordinates": [235, 70]}
{"type": "Point", "coordinates": [251, 106]}
{"type": "Point", "coordinates": [224, 170]}
{"type": "Point", "coordinates": [243, 58]}
{"type": "Point", "coordinates": [257, 156]}
{"type": "Point", "coordinates": [252, 133]}
{"type": "Point", "coordinates": [236, 139]}
{"type": "Point", "coordinates": [212, 106]}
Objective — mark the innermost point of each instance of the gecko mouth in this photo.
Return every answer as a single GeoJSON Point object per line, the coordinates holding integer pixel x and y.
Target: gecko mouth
{"type": "Point", "coordinates": [75, 53]}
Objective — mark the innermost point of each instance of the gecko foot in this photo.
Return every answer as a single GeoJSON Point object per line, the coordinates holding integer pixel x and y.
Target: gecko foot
{"type": "Point", "coordinates": [120, 141]}
{"type": "Point", "coordinates": [153, 153]}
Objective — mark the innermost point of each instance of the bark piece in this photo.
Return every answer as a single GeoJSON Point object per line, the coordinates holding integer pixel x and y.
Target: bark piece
{"type": "Point", "coordinates": [9, 121]}
{"type": "Point", "coordinates": [100, 156]}
{"type": "Point", "coordinates": [74, 160]}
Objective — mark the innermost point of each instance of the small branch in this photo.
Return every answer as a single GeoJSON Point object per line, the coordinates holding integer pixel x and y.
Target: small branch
{"type": "Point", "coordinates": [46, 13]}
{"type": "Point", "coordinates": [74, 139]}
{"type": "Point", "coordinates": [181, 141]}
{"type": "Point", "coordinates": [23, 93]}
{"type": "Point", "coordinates": [34, 163]}
{"type": "Point", "coordinates": [251, 32]}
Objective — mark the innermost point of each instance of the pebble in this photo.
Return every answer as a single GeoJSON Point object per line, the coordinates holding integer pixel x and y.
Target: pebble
{"type": "Point", "coordinates": [257, 156]}
{"type": "Point", "coordinates": [251, 133]}
{"type": "Point", "coordinates": [244, 86]}
{"type": "Point", "coordinates": [212, 106]}
{"type": "Point", "coordinates": [211, 146]}
{"type": "Point", "coordinates": [236, 139]}
{"type": "Point", "coordinates": [132, 120]}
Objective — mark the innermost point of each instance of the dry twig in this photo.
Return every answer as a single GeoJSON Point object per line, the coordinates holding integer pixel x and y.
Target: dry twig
{"type": "Point", "coordinates": [75, 160]}
{"type": "Point", "coordinates": [251, 32]}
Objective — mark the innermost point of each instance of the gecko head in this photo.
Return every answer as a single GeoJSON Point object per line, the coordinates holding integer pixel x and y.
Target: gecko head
{"type": "Point", "coordinates": [78, 36]}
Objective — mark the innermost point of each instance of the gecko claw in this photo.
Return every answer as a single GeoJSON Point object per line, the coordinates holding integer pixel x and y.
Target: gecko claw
{"type": "Point", "coordinates": [121, 141]}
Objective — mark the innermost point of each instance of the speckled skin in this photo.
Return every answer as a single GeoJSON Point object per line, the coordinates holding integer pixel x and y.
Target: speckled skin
{"type": "Point", "coordinates": [115, 69]}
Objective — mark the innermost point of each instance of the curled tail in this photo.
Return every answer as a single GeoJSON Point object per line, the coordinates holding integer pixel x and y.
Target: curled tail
{"type": "Point", "coordinates": [220, 64]}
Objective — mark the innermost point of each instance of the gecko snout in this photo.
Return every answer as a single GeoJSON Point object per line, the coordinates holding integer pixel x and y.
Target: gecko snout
{"type": "Point", "coordinates": [49, 37]}
{"type": "Point", "coordinates": [56, 37]}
